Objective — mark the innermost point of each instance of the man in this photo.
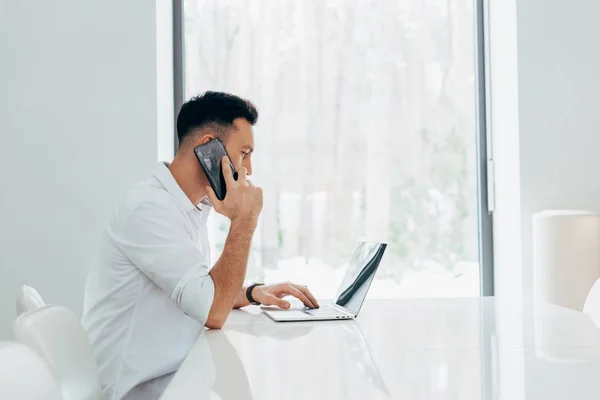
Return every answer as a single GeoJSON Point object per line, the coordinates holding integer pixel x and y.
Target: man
{"type": "Point", "coordinates": [152, 292]}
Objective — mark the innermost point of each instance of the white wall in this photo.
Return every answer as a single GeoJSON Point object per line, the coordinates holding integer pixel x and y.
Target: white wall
{"type": "Point", "coordinates": [558, 125]}
{"type": "Point", "coordinates": [85, 100]}
{"type": "Point", "coordinates": [559, 116]}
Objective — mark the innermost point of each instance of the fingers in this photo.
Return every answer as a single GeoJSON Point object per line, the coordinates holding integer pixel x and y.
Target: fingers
{"type": "Point", "coordinates": [272, 300]}
{"type": "Point", "coordinates": [242, 176]}
{"type": "Point", "coordinates": [259, 194]}
{"type": "Point", "coordinates": [213, 198]}
{"type": "Point", "coordinates": [307, 293]}
{"type": "Point", "coordinates": [293, 291]}
{"type": "Point", "coordinates": [227, 172]}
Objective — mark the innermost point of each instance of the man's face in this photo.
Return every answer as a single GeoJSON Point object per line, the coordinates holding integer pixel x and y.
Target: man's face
{"type": "Point", "coordinates": [240, 145]}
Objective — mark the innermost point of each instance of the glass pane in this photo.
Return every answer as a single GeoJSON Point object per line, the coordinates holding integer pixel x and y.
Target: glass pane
{"type": "Point", "coordinates": [366, 132]}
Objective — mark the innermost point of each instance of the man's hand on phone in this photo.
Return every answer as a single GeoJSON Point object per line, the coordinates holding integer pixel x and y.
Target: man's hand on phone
{"type": "Point", "coordinates": [243, 201]}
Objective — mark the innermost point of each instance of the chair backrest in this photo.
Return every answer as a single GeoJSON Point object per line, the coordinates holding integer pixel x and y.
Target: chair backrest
{"type": "Point", "coordinates": [592, 303]}
{"type": "Point", "coordinates": [57, 335]}
{"type": "Point", "coordinates": [24, 375]}
{"type": "Point", "coordinates": [28, 299]}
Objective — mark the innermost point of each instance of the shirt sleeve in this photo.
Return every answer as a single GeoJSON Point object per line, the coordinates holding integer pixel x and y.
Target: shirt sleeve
{"type": "Point", "coordinates": [157, 241]}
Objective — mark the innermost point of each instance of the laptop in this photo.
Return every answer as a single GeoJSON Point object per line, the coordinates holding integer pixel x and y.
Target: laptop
{"type": "Point", "coordinates": [351, 294]}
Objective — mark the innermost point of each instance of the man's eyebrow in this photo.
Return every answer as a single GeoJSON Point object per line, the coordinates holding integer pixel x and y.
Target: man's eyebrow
{"type": "Point", "coordinates": [249, 148]}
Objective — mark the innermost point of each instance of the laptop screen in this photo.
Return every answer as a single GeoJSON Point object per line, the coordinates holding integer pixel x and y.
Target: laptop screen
{"type": "Point", "coordinates": [360, 273]}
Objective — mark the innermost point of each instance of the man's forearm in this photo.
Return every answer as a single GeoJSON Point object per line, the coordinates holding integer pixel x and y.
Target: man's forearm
{"type": "Point", "coordinates": [229, 272]}
{"type": "Point", "coordinates": [242, 300]}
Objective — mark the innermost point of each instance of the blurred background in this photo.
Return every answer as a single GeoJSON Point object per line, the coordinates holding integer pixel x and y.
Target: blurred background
{"type": "Point", "coordinates": [367, 131]}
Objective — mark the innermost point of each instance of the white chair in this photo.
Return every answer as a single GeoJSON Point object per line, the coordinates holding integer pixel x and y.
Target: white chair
{"type": "Point", "coordinates": [592, 303]}
{"type": "Point", "coordinates": [57, 335]}
{"type": "Point", "coordinates": [24, 375]}
{"type": "Point", "coordinates": [28, 299]}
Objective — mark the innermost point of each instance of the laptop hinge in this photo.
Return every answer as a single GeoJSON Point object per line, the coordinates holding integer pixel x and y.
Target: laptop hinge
{"type": "Point", "coordinates": [342, 309]}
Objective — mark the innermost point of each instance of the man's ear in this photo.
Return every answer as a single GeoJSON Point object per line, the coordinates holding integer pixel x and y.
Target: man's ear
{"type": "Point", "coordinates": [206, 138]}
{"type": "Point", "coordinates": [201, 140]}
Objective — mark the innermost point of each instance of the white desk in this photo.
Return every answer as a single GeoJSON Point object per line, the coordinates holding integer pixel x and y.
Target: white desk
{"type": "Point", "coordinates": [400, 349]}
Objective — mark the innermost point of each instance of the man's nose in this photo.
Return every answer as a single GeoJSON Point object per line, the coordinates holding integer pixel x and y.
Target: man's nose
{"type": "Point", "coordinates": [248, 166]}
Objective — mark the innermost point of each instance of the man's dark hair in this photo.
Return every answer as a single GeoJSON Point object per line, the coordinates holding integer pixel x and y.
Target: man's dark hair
{"type": "Point", "coordinates": [215, 110]}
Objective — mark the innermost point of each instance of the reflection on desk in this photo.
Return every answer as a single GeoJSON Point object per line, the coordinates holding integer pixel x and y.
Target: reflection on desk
{"type": "Point", "coordinates": [216, 371]}
{"type": "Point", "coordinates": [400, 349]}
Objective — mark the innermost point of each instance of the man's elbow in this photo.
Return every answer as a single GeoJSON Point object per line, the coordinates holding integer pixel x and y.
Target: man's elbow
{"type": "Point", "coordinates": [214, 322]}
{"type": "Point", "coordinates": [218, 313]}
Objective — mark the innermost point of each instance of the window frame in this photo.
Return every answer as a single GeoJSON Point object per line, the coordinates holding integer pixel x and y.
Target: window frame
{"type": "Point", "coordinates": [485, 158]}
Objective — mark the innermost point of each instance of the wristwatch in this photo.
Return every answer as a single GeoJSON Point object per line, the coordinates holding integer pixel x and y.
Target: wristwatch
{"type": "Point", "coordinates": [249, 294]}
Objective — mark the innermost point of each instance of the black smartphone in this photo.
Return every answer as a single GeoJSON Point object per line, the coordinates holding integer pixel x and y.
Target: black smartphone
{"type": "Point", "coordinates": [209, 156]}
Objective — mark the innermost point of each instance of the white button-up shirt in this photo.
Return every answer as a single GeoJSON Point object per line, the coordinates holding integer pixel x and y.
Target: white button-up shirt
{"type": "Point", "coordinates": [148, 296]}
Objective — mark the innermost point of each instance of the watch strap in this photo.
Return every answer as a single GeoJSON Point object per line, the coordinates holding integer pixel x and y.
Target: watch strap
{"type": "Point", "coordinates": [249, 293]}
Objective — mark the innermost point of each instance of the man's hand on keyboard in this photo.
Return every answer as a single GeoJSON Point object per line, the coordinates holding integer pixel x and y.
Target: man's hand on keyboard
{"type": "Point", "coordinates": [272, 295]}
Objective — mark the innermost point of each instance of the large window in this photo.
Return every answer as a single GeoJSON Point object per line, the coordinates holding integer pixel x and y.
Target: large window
{"type": "Point", "coordinates": [367, 131]}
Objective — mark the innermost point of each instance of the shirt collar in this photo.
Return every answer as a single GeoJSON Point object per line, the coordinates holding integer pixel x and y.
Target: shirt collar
{"type": "Point", "coordinates": [165, 177]}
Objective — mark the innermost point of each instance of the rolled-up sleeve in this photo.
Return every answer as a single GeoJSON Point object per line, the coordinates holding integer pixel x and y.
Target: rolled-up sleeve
{"type": "Point", "coordinates": [157, 240]}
